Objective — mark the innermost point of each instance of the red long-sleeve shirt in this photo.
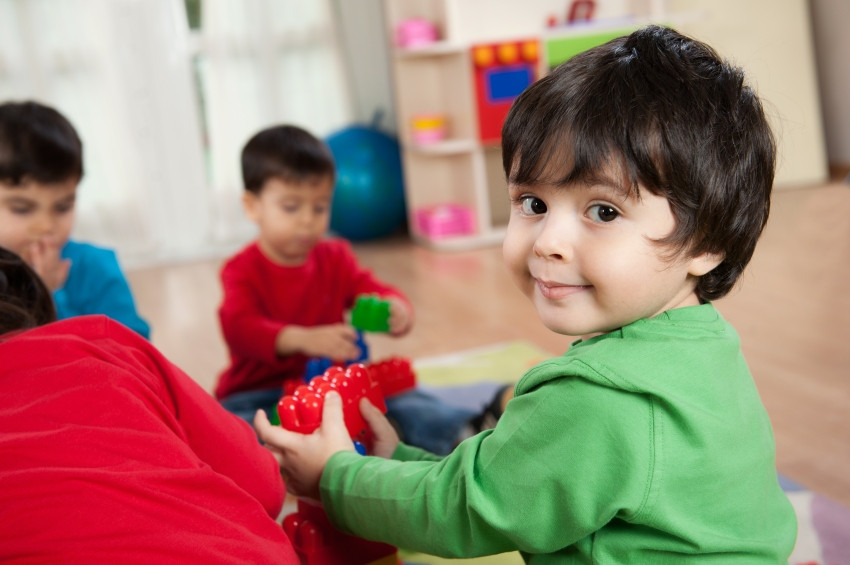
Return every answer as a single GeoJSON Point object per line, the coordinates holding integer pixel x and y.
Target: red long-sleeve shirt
{"type": "Point", "coordinates": [261, 298]}
{"type": "Point", "coordinates": [111, 454]}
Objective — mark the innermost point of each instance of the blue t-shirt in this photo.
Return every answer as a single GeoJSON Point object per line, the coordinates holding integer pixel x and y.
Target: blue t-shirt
{"type": "Point", "coordinates": [96, 285]}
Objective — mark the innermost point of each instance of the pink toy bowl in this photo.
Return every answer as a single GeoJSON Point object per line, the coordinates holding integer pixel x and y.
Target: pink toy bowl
{"type": "Point", "coordinates": [415, 32]}
{"type": "Point", "coordinates": [428, 128]}
{"type": "Point", "coordinates": [444, 220]}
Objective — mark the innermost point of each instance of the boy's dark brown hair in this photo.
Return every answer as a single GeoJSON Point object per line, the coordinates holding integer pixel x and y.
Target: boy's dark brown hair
{"type": "Point", "coordinates": [37, 143]}
{"type": "Point", "coordinates": [675, 118]}
{"type": "Point", "coordinates": [25, 301]}
{"type": "Point", "coordinates": [288, 153]}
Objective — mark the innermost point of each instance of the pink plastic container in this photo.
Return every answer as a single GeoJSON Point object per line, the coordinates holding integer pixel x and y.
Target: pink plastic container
{"type": "Point", "coordinates": [415, 32]}
{"type": "Point", "coordinates": [444, 220]}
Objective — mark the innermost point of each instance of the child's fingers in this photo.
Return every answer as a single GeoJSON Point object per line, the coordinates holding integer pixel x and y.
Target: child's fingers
{"type": "Point", "coordinates": [35, 256]}
{"type": "Point", "coordinates": [273, 436]}
{"type": "Point", "coordinates": [386, 438]}
{"type": "Point", "coordinates": [374, 417]}
{"type": "Point", "coordinates": [348, 332]}
{"type": "Point", "coordinates": [332, 411]}
{"type": "Point", "coordinates": [333, 430]}
{"type": "Point", "coordinates": [400, 317]}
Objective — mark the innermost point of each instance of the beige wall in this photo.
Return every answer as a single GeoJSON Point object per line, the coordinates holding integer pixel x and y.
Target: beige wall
{"type": "Point", "coordinates": [771, 39]}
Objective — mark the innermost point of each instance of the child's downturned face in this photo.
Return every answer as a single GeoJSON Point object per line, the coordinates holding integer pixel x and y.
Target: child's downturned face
{"type": "Point", "coordinates": [34, 213]}
{"type": "Point", "coordinates": [583, 255]}
{"type": "Point", "coordinates": [292, 217]}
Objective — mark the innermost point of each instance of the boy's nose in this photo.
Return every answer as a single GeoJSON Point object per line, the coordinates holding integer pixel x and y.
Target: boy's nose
{"type": "Point", "coordinates": [43, 224]}
{"type": "Point", "coordinates": [554, 242]}
{"type": "Point", "coordinates": [307, 218]}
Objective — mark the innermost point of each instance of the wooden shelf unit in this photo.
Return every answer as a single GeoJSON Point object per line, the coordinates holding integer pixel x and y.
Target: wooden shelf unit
{"type": "Point", "coordinates": [437, 78]}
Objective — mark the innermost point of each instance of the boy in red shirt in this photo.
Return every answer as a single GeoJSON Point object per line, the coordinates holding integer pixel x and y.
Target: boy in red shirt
{"type": "Point", "coordinates": [111, 454]}
{"type": "Point", "coordinates": [286, 294]}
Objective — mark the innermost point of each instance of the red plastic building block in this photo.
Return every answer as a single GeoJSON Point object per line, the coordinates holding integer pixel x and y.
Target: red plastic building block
{"type": "Point", "coordinates": [314, 538]}
{"type": "Point", "coordinates": [317, 542]}
{"type": "Point", "coordinates": [302, 410]}
{"type": "Point", "coordinates": [394, 375]}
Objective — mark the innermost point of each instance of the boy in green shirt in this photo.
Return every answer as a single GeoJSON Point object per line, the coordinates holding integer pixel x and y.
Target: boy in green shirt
{"type": "Point", "coordinates": [640, 175]}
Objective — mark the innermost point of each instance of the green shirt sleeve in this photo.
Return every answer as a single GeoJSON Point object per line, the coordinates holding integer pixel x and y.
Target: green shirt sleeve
{"type": "Point", "coordinates": [556, 468]}
{"type": "Point", "coordinates": [406, 452]}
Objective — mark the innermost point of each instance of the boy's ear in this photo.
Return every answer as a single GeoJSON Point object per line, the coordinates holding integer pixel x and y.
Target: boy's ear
{"type": "Point", "coordinates": [251, 203]}
{"type": "Point", "coordinates": [704, 263]}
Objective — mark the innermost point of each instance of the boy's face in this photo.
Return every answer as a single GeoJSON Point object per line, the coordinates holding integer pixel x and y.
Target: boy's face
{"type": "Point", "coordinates": [584, 256]}
{"type": "Point", "coordinates": [34, 213]}
{"type": "Point", "coordinates": [292, 217]}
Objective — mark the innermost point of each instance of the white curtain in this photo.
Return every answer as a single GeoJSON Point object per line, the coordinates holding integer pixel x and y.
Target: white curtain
{"type": "Point", "coordinates": [264, 62]}
{"type": "Point", "coordinates": [164, 111]}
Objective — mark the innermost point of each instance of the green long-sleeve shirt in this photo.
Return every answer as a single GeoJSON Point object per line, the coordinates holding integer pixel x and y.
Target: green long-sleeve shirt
{"type": "Point", "coordinates": [648, 444]}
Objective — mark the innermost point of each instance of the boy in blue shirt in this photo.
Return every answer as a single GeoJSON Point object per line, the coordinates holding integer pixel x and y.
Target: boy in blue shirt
{"type": "Point", "coordinates": [41, 164]}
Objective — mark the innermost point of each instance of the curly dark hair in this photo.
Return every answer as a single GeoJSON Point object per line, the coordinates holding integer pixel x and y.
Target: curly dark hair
{"type": "Point", "coordinates": [677, 119]}
{"type": "Point", "coordinates": [25, 302]}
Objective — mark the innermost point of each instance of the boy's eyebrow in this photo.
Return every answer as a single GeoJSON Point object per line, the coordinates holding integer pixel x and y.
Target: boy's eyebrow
{"type": "Point", "coordinates": [610, 184]}
{"type": "Point", "coordinates": [16, 199]}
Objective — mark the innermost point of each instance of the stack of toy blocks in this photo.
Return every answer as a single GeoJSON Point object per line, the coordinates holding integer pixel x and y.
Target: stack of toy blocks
{"type": "Point", "coordinates": [314, 538]}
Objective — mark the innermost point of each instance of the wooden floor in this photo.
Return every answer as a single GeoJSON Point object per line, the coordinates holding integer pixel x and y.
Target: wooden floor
{"type": "Point", "coordinates": [792, 311]}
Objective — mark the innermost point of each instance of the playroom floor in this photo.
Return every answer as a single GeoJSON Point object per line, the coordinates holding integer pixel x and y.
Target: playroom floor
{"type": "Point", "coordinates": [792, 311]}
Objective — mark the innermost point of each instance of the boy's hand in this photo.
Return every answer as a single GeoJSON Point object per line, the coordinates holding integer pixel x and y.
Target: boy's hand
{"type": "Point", "coordinates": [401, 317]}
{"type": "Point", "coordinates": [386, 438]}
{"type": "Point", "coordinates": [302, 457]}
{"type": "Point", "coordinates": [45, 258]}
{"type": "Point", "coordinates": [334, 341]}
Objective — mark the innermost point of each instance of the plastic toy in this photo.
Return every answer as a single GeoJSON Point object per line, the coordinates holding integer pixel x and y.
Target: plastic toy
{"type": "Point", "coordinates": [368, 199]}
{"type": "Point", "coordinates": [415, 32]}
{"type": "Point", "coordinates": [501, 72]}
{"type": "Point", "coordinates": [444, 220]}
{"type": "Point", "coordinates": [428, 128]}
{"type": "Point", "coordinates": [318, 365]}
{"type": "Point", "coordinates": [371, 313]}
{"type": "Point", "coordinates": [581, 11]}
{"type": "Point", "coordinates": [302, 411]}
{"type": "Point", "coordinates": [317, 542]}
{"type": "Point", "coordinates": [394, 375]}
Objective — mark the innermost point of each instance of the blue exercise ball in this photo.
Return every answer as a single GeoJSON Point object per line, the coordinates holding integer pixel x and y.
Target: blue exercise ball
{"type": "Point", "coordinates": [368, 197]}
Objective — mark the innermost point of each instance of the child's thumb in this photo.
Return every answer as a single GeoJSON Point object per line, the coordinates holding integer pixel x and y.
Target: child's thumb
{"type": "Point", "coordinates": [332, 410]}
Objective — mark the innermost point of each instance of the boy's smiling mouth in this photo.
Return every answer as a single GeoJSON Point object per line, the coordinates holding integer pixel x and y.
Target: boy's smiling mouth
{"type": "Point", "coordinates": [555, 290]}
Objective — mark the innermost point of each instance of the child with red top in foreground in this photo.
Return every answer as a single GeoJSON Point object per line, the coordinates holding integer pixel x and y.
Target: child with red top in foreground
{"type": "Point", "coordinates": [286, 294]}
{"type": "Point", "coordinates": [639, 174]}
{"type": "Point", "coordinates": [111, 454]}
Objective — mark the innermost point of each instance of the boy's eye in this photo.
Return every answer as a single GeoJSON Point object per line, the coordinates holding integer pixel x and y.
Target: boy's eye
{"type": "Point", "coordinates": [603, 213]}
{"type": "Point", "coordinates": [21, 209]}
{"type": "Point", "coordinates": [532, 206]}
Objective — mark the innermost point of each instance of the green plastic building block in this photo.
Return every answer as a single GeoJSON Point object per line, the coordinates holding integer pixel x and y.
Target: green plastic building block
{"type": "Point", "coordinates": [371, 314]}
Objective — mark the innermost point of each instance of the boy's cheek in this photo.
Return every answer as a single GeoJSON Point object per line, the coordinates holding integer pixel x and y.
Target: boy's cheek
{"type": "Point", "coordinates": [14, 244]}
